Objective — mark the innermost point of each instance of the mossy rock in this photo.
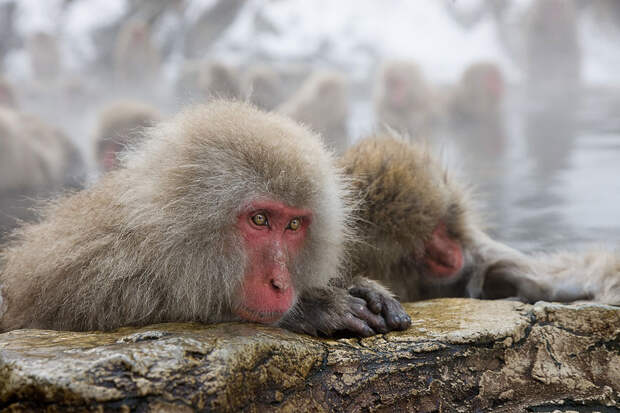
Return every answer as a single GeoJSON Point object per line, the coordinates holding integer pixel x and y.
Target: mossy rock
{"type": "Point", "coordinates": [459, 355]}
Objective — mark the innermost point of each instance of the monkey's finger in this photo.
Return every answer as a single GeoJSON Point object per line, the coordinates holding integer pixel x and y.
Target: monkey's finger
{"type": "Point", "coordinates": [395, 315]}
{"type": "Point", "coordinates": [373, 299]}
{"type": "Point", "coordinates": [357, 326]}
{"type": "Point", "coordinates": [373, 320]}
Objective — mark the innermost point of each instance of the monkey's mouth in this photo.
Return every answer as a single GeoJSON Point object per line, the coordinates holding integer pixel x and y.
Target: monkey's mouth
{"type": "Point", "coordinates": [259, 316]}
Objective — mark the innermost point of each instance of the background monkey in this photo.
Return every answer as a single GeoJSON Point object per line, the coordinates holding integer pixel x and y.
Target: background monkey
{"type": "Point", "coordinates": [404, 101]}
{"type": "Point", "coordinates": [225, 213]}
{"type": "Point", "coordinates": [121, 125]}
{"type": "Point", "coordinates": [322, 103]}
{"type": "Point", "coordinates": [136, 59]}
{"type": "Point", "coordinates": [422, 238]}
{"type": "Point", "coordinates": [479, 95]}
{"type": "Point", "coordinates": [263, 86]}
{"type": "Point", "coordinates": [219, 80]}
{"type": "Point", "coordinates": [36, 160]}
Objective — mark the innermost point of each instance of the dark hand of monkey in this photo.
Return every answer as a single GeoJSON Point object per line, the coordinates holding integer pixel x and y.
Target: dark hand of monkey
{"type": "Point", "coordinates": [390, 309]}
{"type": "Point", "coordinates": [325, 313]}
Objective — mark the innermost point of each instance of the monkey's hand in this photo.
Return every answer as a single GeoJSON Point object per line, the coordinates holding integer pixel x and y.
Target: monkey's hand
{"type": "Point", "coordinates": [328, 312]}
{"type": "Point", "coordinates": [381, 302]}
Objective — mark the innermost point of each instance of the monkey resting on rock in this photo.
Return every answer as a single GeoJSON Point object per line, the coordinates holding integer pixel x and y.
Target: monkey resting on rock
{"type": "Point", "coordinates": [421, 237]}
{"type": "Point", "coordinates": [224, 213]}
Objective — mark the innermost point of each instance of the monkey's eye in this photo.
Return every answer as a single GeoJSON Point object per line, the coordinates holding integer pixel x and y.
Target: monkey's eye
{"type": "Point", "coordinates": [259, 219]}
{"type": "Point", "coordinates": [294, 224]}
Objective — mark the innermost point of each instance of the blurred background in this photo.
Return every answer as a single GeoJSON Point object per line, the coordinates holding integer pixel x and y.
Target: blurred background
{"type": "Point", "coordinates": [521, 97]}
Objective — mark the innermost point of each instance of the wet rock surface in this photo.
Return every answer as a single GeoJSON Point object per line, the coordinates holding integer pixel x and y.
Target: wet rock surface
{"type": "Point", "coordinates": [459, 355]}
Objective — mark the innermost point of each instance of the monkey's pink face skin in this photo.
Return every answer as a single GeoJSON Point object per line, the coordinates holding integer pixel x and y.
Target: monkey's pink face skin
{"type": "Point", "coordinates": [273, 234]}
{"type": "Point", "coordinates": [109, 159]}
{"type": "Point", "coordinates": [397, 90]}
{"type": "Point", "coordinates": [444, 255]}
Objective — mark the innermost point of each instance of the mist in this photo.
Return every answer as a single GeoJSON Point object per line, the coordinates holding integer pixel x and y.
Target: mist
{"type": "Point", "coordinates": [544, 158]}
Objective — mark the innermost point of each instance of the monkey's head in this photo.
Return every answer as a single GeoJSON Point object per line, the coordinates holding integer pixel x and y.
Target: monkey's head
{"type": "Point", "coordinates": [263, 85]}
{"type": "Point", "coordinates": [411, 215]}
{"type": "Point", "coordinates": [249, 203]}
{"type": "Point", "coordinates": [217, 79]}
{"type": "Point", "coordinates": [401, 85]}
{"type": "Point", "coordinates": [482, 89]}
{"type": "Point", "coordinates": [121, 124]}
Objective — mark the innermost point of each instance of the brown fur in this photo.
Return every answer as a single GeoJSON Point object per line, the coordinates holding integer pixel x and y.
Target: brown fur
{"type": "Point", "coordinates": [473, 100]}
{"type": "Point", "coordinates": [123, 122]}
{"type": "Point", "coordinates": [553, 55]}
{"type": "Point", "coordinates": [136, 59]}
{"type": "Point", "coordinates": [263, 86]}
{"type": "Point", "coordinates": [155, 241]}
{"type": "Point", "coordinates": [322, 103]}
{"type": "Point", "coordinates": [35, 160]}
{"type": "Point", "coordinates": [405, 193]}
{"type": "Point", "coordinates": [219, 80]}
{"type": "Point", "coordinates": [416, 114]}
{"type": "Point", "coordinates": [187, 81]}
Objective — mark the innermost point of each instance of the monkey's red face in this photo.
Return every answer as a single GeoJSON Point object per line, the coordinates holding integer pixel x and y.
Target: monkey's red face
{"type": "Point", "coordinates": [109, 155]}
{"type": "Point", "coordinates": [443, 255]}
{"type": "Point", "coordinates": [274, 235]}
{"type": "Point", "coordinates": [397, 91]}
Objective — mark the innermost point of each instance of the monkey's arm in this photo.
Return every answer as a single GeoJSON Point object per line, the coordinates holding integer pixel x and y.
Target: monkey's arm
{"type": "Point", "coordinates": [562, 276]}
{"type": "Point", "coordinates": [571, 276]}
{"type": "Point", "coordinates": [365, 310]}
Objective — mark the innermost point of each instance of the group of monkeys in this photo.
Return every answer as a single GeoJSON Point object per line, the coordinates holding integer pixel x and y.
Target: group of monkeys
{"type": "Point", "coordinates": [225, 212]}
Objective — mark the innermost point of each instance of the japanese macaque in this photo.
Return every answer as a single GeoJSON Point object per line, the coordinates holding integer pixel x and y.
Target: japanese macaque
{"type": "Point", "coordinates": [263, 86]}
{"type": "Point", "coordinates": [35, 160]}
{"type": "Point", "coordinates": [475, 111]}
{"type": "Point", "coordinates": [478, 97]}
{"type": "Point", "coordinates": [225, 213]}
{"type": "Point", "coordinates": [553, 61]}
{"type": "Point", "coordinates": [422, 238]}
{"type": "Point", "coordinates": [187, 81]}
{"type": "Point", "coordinates": [210, 25]}
{"type": "Point", "coordinates": [44, 56]}
{"type": "Point", "coordinates": [322, 103]}
{"type": "Point", "coordinates": [7, 95]}
{"type": "Point", "coordinates": [121, 125]}
{"type": "Point", "coordinates": [219, 80]}
{"type": "Point", "coordinates": [403, 99]}
{"type": "Point", "coordinates": [136, 60]}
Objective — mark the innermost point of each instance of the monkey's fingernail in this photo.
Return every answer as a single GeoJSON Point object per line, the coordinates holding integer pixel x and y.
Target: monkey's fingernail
{"type": "Point", "coordinates": [369, 332]}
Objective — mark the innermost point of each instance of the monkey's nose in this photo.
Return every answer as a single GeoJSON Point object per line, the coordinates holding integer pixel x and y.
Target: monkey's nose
{"type": "Point", "coordinates": [279, 284]}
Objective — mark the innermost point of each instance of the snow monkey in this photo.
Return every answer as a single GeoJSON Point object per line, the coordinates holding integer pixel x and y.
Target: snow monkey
{"type": "Point", "coordinates": [404, 100]}
{"type": "Point", "coordinates": [263, 86]}
{"type": "Point", "coordinates": [224, 213]}
{"type": "Point", "coordinates": [322, 103]}
{"type": "Point", "coordinates": [36, 160]}
{"type": "Point", "coordinates": [219, 80]}
{"type": "Point", "coordinates": [137, 61]}
{"type": "Point", "coordinates": [421, 237]}
{"type": "Point", "coordinates": [121, 124]}
{"type": "Point", "coordinates": [479, 96]}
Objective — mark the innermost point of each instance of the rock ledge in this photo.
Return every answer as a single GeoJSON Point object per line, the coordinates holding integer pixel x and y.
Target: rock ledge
{"type": "Point", "coordinates": [460, 355]}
